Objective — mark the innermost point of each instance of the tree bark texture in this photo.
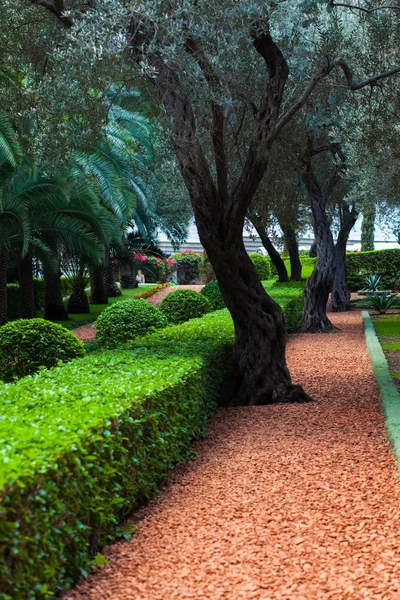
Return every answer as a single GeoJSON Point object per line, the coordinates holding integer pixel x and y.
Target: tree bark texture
{"type": "Point", "coordinates": [98, 293]}
{"type": "Point", "coordinates": [319, 284]}
{"type": "Point", "coordinates": [78, 302]}
{"type": "Point", "coordinates": [54, 309]}
{"type": "Point", "coordinates": [26, 288]}
{"type": "Point", "coordinates": [3, 285]}
{"type": "Point", "coordinates": [261, 373]}
{"type": "Point", "coordinates": [340, 296]}
{"type": "Point", "coordinates": [272, 252]}
{"type": "Point", "coordinates": [368, 228]}
{"type": "Point", "coordinates": [292, 246]}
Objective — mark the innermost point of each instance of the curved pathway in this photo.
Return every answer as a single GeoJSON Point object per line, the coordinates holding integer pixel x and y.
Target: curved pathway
{"type": "Point", "coordinates": [294, 502]}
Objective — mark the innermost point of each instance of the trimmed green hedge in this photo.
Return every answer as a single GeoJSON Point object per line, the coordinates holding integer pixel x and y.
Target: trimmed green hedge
{"type": "Point", "coordinates": [182, 305]}
{"type": "Point", "coordinates": [291, 300]}
{"type": "Point", "coordinates": [261, 265]}
{"type": "Point", "coordinates": [385, 263]}
{"type": "Point", "coordinates": [84, 444]}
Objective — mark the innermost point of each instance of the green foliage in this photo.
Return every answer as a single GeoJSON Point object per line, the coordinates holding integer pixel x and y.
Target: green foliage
{"type": "Point", "coordinates": [183, 305]}
{"type": "Point", "coordinates": [261, 265]}
{"type": "Point", "coordinates": [85, 444]}
{"type": "Point", "coordinates": [127, 319]}
{"type": "Point", "coordinates": [372, 283]}
{"type": "Point", "coordinates": [385, 263]}
{"type": "Point", "coordinates": [12, 300]}
{"type": "Point", "coordinates": [206, 270]}
{"type": "Point", "coordinates": [307, 265]}
{"type": "Point", "coordinates": [28, 344]}
{"type": "Point", "coordinates": [290, 299]}
{"type": "Point", "coordinates": [212, 292]}
{"type": "Point", "coordinates": [382, 302]}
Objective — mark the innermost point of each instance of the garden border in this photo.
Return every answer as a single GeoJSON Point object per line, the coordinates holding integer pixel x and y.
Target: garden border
{"type": "Point", "coordinates": [389, 394]}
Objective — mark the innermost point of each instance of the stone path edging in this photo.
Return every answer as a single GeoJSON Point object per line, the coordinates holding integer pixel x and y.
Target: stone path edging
{"type": "Point", "coordinates": [388, 391]}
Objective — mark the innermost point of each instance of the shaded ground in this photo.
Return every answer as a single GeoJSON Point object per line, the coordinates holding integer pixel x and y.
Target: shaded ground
{"type": "Point", "coordinates": [87, 333]}
{"type": "Point", "coordinates": [294, 502]}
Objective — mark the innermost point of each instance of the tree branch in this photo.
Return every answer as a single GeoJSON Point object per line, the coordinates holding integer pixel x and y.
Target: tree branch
{"type": "Point", "coordinates": [218, 134]}
{"type": "Point", "coordinates": [368, 11]}
{"type": "Point", "coordinates": [320, 74]}
{"type": "Point", "coordinates": [56, 8]}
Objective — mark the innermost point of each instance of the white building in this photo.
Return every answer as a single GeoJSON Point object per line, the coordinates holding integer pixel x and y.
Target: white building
{"type": "Point", "coordinates": [382, 240]}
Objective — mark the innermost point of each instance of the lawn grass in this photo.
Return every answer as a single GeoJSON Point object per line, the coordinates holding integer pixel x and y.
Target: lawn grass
{"type": "Point", "coordinates": [387, 325]}
{"type": "Point", "coordinates": [96, 309]}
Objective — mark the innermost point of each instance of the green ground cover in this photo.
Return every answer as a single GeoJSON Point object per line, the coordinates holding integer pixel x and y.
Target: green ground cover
{"type": "Point", "coordinates": [387, 325]}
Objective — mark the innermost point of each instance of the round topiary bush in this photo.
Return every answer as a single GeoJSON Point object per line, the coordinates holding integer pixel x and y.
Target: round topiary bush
{"type": "Point", "coordinates": [28, 344]}
{"type": "Point", "coordinates": [213, 294]}
{"type": "Point", "coordinates": [183, 305]}
{"type": "Point", "coordinates": [127, 319]}
{"type": "Point", "coordinates": [261, 265]}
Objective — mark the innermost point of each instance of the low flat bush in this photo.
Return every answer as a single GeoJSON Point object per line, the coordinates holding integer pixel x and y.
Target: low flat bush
{"type": "Point", "coordinates": [290, 299]}
{"type": "Point", "coordinates": [84, 444]}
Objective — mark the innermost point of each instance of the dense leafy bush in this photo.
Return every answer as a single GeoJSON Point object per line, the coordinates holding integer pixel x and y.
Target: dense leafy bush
{"type": "Point", "coordinates": [206, 270]}
{"type": "Point", "coordinates": [261, 265]}
{"type": "Point", "coordinates": [183, 305]}
{"type": "Point", "coordinates": [385, 263]}
{"type": "Point", "coordinates": [84, 444]}
{"type": "Point", "coordinates": [125, 320]}
{"type": "Point", "coordinates": [28, 344]}
{"type": "Point", "coordinates": [13, 300]}
{"type": "Point", "coordinates": [212, 292]}
{"type": "Point", "coordinates": [290, 298]}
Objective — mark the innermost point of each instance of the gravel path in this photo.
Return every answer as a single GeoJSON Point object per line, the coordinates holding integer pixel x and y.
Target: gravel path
{"type": "Point", "coordinates": [294, 502]}
{"type": "Point", "coordinates": [87, 333]}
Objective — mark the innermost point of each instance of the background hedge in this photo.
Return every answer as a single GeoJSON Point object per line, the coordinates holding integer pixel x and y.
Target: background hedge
{"type": "Point", "coordinates": [385, 263]}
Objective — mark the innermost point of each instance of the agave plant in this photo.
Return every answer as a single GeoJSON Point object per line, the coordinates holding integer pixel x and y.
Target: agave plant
{"type": "Point", "coordinates": [382, 302]}
{"type": "Point", "coordinates": [372, 283]}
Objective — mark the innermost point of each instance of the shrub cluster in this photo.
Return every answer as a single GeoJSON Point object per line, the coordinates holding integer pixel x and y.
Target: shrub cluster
{"type": "Point", "coordinates": [261, 265]}
{"type": "Point", "coordinates": [290, 299]}
{"type": "Point", "coordinates": [183, 305]}
{"type": "Point", "coordinates": [28, 344]}
{"type": "Point", "coordinates": [385, 263]}
{"type": "Point", "coordinates": [122, 321]}
{"type": "Point", "coordinates": [86, 443]}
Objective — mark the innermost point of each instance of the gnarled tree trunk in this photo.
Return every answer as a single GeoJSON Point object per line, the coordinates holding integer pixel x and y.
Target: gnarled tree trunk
{"type": "Point", "coordinates": [340, 296]}
{"type": "Point", "coordinates": [272, 252]}
{"type": "Point", "coordinates": [292, 246]}
{"type": "Point", "coordinates": [319, 284]}
{"type": "Point", "coordinates": [3, 285]}
{"type": "Point", "coordinates": [26, 288]}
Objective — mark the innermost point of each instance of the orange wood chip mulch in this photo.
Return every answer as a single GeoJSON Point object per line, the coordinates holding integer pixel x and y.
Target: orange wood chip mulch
{"type": "Point", "coordinates": [294, 502]}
